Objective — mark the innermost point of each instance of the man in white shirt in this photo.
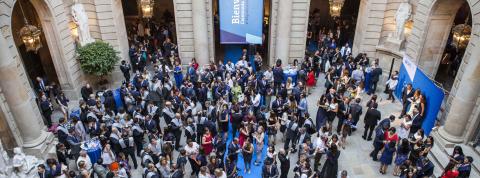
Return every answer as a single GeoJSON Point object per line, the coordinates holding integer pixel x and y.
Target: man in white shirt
{"type": "Point", "coordinates": [346, 50]}
{"type": "Point", "coordinates": [320, 148]}
{"type": "Point", "coordinates": [358, 76]}
{"type": "Point", "coordinates": [230, 67]}
{"type": "Point", "coordinates": [85, 158]}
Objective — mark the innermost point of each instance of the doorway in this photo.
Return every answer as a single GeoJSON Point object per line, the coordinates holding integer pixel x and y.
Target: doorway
{"type": "Point", "coordinates": [323, 24]}
{"type": "Point", "coordinates": [454, 48]}
{"type": "Point", "coordinates": [36, 63]}
{"type": "Point", "coordinates": [156, 29]}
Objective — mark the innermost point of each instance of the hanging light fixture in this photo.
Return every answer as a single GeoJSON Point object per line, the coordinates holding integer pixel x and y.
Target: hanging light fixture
{"type": "Point", "coordinates": [147, 8]}
{"type": "Point", "coordinates": [461, 34]}
{"type": "Point", "coordinates": [336, 7]}
{"type": "Point", "coordinates": [30, 34]}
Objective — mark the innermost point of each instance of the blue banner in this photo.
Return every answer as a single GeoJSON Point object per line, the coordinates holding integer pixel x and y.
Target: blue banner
{"type": "Point", "coordinates": [241, 21]}
{"type": "Point", "coordinates": [433, 94]}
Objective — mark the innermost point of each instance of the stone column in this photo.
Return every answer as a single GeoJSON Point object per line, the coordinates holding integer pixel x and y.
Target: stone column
{"type": "Point", "coordinates": [200, 32]}
{"type": "Point", "coordinates": [464, 100]}
{"type": "Point", "coordinates": [29, 120]}
{"type": "Point", "coordinates": [284, 23]}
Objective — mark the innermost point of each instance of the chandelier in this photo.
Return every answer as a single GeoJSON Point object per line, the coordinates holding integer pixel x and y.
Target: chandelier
{"type": "Point", "coordinates": [30, 34]}
{"type": "Point", "coordinates": [147, 8]}
{"type": "Point", "coordinates": [461, 35]}
{"type": "Point", "coordinates": [336, 7]}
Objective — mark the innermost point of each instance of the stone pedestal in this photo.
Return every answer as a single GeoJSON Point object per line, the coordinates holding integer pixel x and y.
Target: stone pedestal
{"type": "Point", "coordinates": [393, 44]}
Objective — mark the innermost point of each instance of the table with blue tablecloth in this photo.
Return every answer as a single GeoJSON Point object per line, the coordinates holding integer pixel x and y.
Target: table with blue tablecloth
{"type": "Point", "coordinates": [93, 149]}
{"type": "Point", "coordinates": [292, 73]}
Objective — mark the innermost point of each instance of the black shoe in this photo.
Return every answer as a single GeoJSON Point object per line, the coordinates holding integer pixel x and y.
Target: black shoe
{"type": "Point", "coordinates": [369, 139]}
{"type": "Point", "coordinates": [364, 137]}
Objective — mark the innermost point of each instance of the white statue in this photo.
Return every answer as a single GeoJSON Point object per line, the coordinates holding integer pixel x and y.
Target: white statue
{"type": "Point", "coordinates": [81, 19]}
{"type": "Point", "coordinates": [24, 164]}
{"type": "Point", "coordinates": [403, 14]}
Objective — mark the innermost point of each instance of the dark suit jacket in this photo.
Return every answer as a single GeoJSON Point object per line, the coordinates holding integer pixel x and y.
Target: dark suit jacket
{"type": "Point", "coordinates": [372, 117]}
{"type": "Point", "coordinates": [406, 95]}
{"type": "Point", "coordinates": [356, 111]}
{"type": "Point", "coordinates": [417, 121]}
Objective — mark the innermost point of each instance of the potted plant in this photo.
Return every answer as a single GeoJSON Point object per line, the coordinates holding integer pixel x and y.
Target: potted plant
{"type": "Point", "coordinates": [98, 59]}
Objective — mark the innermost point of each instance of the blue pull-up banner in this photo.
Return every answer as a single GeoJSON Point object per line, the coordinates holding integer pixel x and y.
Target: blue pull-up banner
{"type": "Point", "coordinates": [241, 21]}
{"type": "Point", "coordinates": [410, 74]}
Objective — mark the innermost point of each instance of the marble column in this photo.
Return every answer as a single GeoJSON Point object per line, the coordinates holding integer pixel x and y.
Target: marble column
{"type": "Point", "coordinates": [200, 32]}
{"type": "Point", "coordinates": [28, 119]}
{"type": "Point", "coordinates": [284, 22]}
{"type": "Point", "coordinates": [464, 101]}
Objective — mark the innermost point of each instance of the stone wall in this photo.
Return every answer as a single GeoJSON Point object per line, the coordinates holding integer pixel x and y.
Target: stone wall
{"type": "Point", "coordinates": [369, 26]}
{"type": "Point", "coordinates": [184, 22]}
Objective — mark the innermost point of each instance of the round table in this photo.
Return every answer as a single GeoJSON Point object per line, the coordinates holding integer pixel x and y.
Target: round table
{"type": "Point", "coordinates": [290, 73]}
{"type": "Point", "coordinates": [93, 149]}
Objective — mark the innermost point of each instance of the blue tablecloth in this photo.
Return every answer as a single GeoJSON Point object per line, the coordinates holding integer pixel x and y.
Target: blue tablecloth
{"type": "Point", "coordinates": [94, 150]}
{"type": "Point", "coordinates": [290, 73]}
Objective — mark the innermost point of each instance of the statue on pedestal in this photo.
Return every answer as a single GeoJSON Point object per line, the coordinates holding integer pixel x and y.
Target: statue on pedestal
{"type": "Point", "coordinates": [81, 19]}
{"type": "Point", "coordinates": [403, 14]}
{"type": "Point", "coordinates": [24, 164]}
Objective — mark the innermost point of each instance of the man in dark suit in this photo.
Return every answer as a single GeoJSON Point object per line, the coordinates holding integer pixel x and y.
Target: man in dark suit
{"type": "Point", "coordinates": [47, 110]}
{"type": "Point", "coordinates": [277, 78]}
{"type": "Point", "coordinates": [277, 106]}
{"type": "Point", "coordinates": [125, 68]}
{"type": "Point", "coordinates": [291, 134]}
{"type": "Point", "coordinates": [378, 142]}
{"type": "Point", "coordinates": [284, 163]}
{"type": "Point", "coordinates": [269, 170]}
{"type": "Point", "coordinates": [42, 173]}
{"type": "Point", "coordinates": [376, 72]}
{"type": "Point", "coordinates": [233, 150]}
{"type": "Point", "coordinates": [86, 91]}
{"type": "Point", "coordinates": [417, 121]}
{"type": "Point", "coordinates": [371, 118]}
{"type": "Point", "coordinates": [356, 111]}
{"type": "Point", "coordinates": [406, 94]}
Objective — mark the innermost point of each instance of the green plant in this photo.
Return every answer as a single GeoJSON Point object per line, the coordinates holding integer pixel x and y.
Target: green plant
{"type": "Point", "coordinates": [97, 58]}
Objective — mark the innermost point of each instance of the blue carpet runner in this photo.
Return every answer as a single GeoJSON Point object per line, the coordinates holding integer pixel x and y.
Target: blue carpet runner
{"type": "Point", "coordinates": [255, 171]}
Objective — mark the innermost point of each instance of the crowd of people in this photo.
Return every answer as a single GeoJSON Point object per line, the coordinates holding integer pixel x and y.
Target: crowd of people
{"type": "Point", "coordinates": [228, 111]}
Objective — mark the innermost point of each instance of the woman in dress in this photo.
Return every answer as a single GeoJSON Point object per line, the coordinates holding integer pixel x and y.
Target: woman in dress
{"type": "Point", "coordinates": [387, 156]}
{"type": "Point", "coordinates": [405, 127]}
{"type": "Point", "coordinates": [223, 120]}
{"type": "Point", "coordinates": [207, 143]}
{"type": "Point", "coordinates": [272, 123]}
{"type": "Point", "coordinates": [414, 101]}
{"type": "Point", "coordinates": [177, 74]}
{"type": "Point", "coordinates": [259, 139]}
{"type": "Point", "coordinates": [346, 129]}
{"type": "Point", "coordinates": [332, 112]}
{"type": "Point", "coordinates": [403, 150]}
{"type": "Point", "coordinates": [391, 135]}
{"type": "Point", "coordinates": [321, 112]}
{"type": "Point", "coordinates": [247, 152]}
{"type": "Point", "coordinates": [330, 168]}
{"type": "Point", "coordinates": [310, 80]}
{"type": "Point", "coordinates": [107, 155]}
{"type": "Point", "coordinates": [244, 133]}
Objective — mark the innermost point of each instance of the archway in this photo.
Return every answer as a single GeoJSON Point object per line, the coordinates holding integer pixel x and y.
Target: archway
{"type": "Point", "coordinates": [155, 29]}
{"type": "Point", "coordinates": [322, 24]}
{"type": "Point", "coordinates": [36, 63]}
{"type": "Point", "coordinates": [455, 46]}
{"type": "Point", "coordinates": [436, 34]}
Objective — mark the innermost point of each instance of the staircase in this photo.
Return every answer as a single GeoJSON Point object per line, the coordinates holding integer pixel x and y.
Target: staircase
{"type": "Point", "coordinates": [440, 152]}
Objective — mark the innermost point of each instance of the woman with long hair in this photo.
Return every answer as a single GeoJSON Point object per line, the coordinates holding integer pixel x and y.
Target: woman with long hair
{"type": "Point", "coordinates": [403, 150]}
{"type": "Point", "coordinates": [387, 156]}
{"type": "Point", "coordinates": [330, 169]}
{"type": "Point", "coordinates": [247, 152]}
{"type": "Point", "coordinates": [259, 139]}
{"type": "Point", "coordinates": [322, 105]}
{"type": "Point", "coordinates": [207, 142]}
